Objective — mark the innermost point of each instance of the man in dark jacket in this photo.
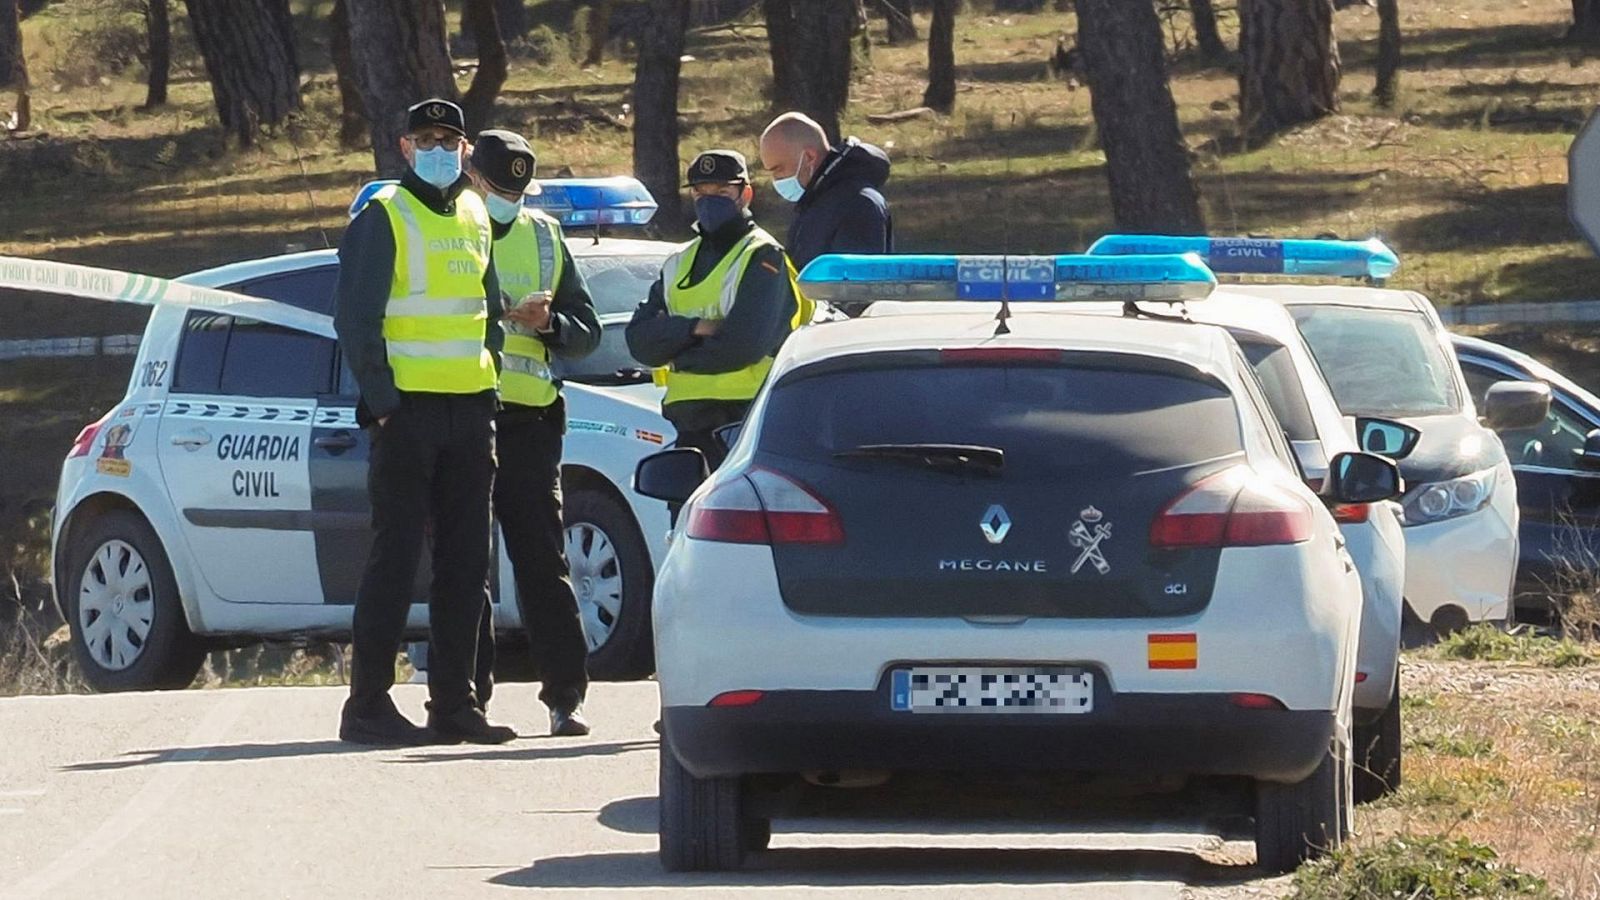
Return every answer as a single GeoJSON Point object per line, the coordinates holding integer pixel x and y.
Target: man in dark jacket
{"type": "Point", "coordinates": [837, 191]}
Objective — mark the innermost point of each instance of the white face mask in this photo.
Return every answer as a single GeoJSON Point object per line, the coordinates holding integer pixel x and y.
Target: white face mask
{"type": "Point", "coordinates": [790, 188]}
{"type": "Point", "coordinates": [438, 167]}
{"type": "Point", "coordinates": [500, 209]}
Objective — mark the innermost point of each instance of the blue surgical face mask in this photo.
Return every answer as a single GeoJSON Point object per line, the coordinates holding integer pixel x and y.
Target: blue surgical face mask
{"type": "Point", "coordinates": [502, 210]}
{"type": "Point", "coordinates": [438, 167]}
{"type": "Point", "coordinates": [714, 212]}
{"type": "Point", "coordinates": [790, 188]}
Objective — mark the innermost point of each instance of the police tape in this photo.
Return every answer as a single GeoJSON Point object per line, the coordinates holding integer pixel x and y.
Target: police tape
{"type": "Point", "coordinates": [114, 286]}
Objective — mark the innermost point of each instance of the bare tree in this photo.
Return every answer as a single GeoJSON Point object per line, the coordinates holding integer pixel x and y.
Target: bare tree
{"type": "Point", "coordinates": [13, 65]}
{"type": "Point", "coordinates": [352, 111]}
{"type": "Point", "coordinates": [158, 31]}
{"type": "Point", "coordinates": [1291, 72]}
{"type": "Point", "coordinates": [941, 92]}
{"type": "Point", "coordinates": [478, 103]}
{"type": "Point", "coordinates": [1147, 162]}
{"type": "Point", "coordinates": [655, 103]}
{"type": "Point", "coordinates": [1585, 23]}
{"type": "Point", "coordinates": [1388, 52]}
{"type": "Point", "coordinates": [812, 56]}
{"type": "Point", "coordinates": [1205, 30]}
{"type": "Point", "coordinates": [248, 48]}
{"type": "Point", "coordinates": [400, 56]}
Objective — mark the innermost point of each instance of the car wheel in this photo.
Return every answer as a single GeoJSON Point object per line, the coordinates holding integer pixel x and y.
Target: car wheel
{"type": "Point", "coordinates": [703, 828]}
{"type": "Point", "coordinates": [128, 627]}
{"type": "Point", "coordinates": [612, 577]}
{"type": "Point", "coordinates": [1378, 753]}
{"type": "Point", "coordinates": [1308, 819]}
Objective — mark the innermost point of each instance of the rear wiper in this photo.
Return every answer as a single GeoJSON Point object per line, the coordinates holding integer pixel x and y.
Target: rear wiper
{"type": "Point", "coordinates": [988, 460]}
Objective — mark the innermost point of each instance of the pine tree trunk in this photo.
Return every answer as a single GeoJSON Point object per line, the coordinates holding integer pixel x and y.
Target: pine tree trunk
{"type": "Point", "coordinates": [1205, 30]}
{"type": "Point", "coordinates": [478, 103]}
{"type": "Point", "coordinates": [1388, 52]}
{"type": "Point", "coordinates": [599, 31]}
{"type": "Point", "coordinates": [812, 56]}
{"type": "Point", "coordinates": [941, 92]}
{"type": "Point", "coordinates": [902, 27]}
{"type": "Point", "coordinates": [248, 48]}
{"type": "Point", "coordinates": [1147, 163]}
{"type": "Point", "coordinates": [353, 133]}
{"type": "Point", "coordinates": [1585, 22]}
{"type": "Point", "coordinates": [513, 16]}
{"type": "Point", "coordinates": [1290, 73]}
{"type": "Point", "coordinates": [158, 28]}
{"type": "Point", "coordinates": [655, 103]}
{"type": "Point", "coordinates": [400, 59]}
{"type": "Point", "coordinates": [13, 64]}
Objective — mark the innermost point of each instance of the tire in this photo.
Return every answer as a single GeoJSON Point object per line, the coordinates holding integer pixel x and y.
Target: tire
{"type": "Point", "coordinates": [1306, 820]}
{"type": "Point", "coordinates": [604, 544]}
{"type": "Point", "coordinates": [1377, 753]}
{"type": "Point", "coordinates": [703, 827]}
{"type": "Point", "coordinates": [129, 632]}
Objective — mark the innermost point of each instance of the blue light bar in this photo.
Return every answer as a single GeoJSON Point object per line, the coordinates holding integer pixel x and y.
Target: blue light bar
{"type": "Point", "coordinates": [845, 278]}
{"type": "Point", "coordinates": [1371, 258]}
{"type": "Point", "coordinates": [587, 202]}
{"type": "Point", "coordinates": [574, 202]}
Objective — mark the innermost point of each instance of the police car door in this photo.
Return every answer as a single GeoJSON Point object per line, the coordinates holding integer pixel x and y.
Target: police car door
{"type": "Point", "coordinates": [234, 442]}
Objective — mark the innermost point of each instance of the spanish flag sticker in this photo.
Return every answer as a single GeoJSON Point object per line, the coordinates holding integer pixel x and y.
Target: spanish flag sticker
{"type": "Point", "coordinates": [1174, 651]}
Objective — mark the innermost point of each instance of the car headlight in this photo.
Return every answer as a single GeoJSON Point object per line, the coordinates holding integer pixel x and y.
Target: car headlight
{"type": "Point", "coordinates": [1448, 499]}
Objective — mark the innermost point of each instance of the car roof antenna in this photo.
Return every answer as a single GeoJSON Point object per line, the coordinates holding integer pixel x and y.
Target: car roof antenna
{"type": "Point", "coordinates": [1000, 317]}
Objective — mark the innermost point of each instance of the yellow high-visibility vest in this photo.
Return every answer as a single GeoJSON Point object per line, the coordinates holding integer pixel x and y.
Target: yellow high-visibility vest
{"type": "Point", "coordinates": [528, 258]}
{"type": "Point", "coordinates": [712, 298]}
{"type": "Point", "coordinates": [437, 315]}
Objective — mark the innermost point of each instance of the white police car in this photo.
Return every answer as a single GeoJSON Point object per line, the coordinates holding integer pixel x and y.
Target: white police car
{"type": "Point", "coordinates": [1386, 354]}
{"type": "Point", "coordinates": [989, 560]}
{"type": "Point", "coordinates": [224, 501]}
{"type": "Point", "coordinates": [1305, 408]}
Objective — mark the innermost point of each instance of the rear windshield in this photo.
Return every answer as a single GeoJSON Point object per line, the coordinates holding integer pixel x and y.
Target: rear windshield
{"type": "Point", "coordinates": [1274, 368]}
{"type": "Point", "coordinates": [1048, 420]}
{"type": "Point", "coordinates": [1380, 362]}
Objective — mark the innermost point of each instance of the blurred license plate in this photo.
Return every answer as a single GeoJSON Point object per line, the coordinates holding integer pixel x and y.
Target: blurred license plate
{"type": "Point", "coordinates": [989, 689]}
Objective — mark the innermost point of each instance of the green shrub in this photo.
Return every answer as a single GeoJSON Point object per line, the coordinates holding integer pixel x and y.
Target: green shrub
{"type": "Point", "coordinates": [1416, 868]}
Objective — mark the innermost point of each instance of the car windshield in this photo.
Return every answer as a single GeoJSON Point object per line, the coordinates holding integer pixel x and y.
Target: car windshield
{"type": "Point", "coordinates": [1380, 362]}
{"type": "Point", "coordinates": [618, 285]}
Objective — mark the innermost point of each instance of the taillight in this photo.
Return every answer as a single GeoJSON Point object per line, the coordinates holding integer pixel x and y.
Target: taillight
{"type": "Point", "coordinates": [1233, 508]}
{"type": "Point", "coordinates": [85, 438]}
{"type": "Point", "coordinates": [736, 698]}
{"type": "Point", "coordinates": [1351, 513]}
{"type": "Point", "coordinates": [764, 507]}
{"type": "Point", "coordinates": [1001, 355]}
{"type": "Point", "coordinates": [1256, 701]}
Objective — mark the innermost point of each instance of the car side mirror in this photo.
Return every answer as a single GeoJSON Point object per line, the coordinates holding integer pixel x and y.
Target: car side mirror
{"type": "Point", "coordinates": [1364, 478]}
{"type": "Point", "coordinates": [1511, 405]}
{"type": "Point", "coordinates": [1386, 438]}
{"type": "Point", "coordinates": [1589, 457]}
{"type": "Point", "coordinates": [671, 475]}
{"type": "Point", "coordinates": [728, 435]}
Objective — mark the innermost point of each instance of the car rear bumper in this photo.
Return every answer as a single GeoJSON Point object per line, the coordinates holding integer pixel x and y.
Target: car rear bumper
{"type": "Point", "coordinates": [1126, 734]}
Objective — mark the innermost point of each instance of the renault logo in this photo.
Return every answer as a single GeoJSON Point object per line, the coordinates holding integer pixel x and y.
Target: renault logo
{"type": "Point", "coordinates": [995, 524]}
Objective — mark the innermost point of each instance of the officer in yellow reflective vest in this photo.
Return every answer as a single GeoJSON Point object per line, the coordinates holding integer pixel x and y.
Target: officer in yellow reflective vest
{"type": "Point", "coordinates": [724, 304]}
{"type": "Point", "coordinates": [418, 310]}
{"type": "Point", "coordinates": [550, 313]}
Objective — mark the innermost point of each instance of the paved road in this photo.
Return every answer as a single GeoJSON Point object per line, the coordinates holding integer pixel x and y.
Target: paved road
{"type": "Point", "coordinates": [244, 793]}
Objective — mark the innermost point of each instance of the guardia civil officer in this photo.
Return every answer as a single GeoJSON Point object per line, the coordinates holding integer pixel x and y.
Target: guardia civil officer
{"type": "Point", "coordinates": [551, 313]}
{"type": "Point", "coordinates": [418, 322]}
{"type": "Point", "coordinates": [721, 308]}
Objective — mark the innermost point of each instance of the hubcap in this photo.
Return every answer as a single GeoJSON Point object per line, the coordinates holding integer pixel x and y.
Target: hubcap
{"type": "Point", "coordinates": [116, 606]}
{"type": "Point", "coordinates": [596, 579]}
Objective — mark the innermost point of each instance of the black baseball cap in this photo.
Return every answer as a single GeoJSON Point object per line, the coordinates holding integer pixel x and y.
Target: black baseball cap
{"type": "Point", "coordinates": [718, 167]}
{"type": "Point", "coordinates": [504, 159]}
{"type": "Point", "coordinates": [436, 111]}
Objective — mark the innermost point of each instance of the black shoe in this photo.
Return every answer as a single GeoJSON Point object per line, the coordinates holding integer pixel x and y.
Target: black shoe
{"type": "Point", "coordinates": [380, 726]}
{"type": "Point", "coordinates": [568, 722]}
{"type": "Point", "coordinates": [468, 725]}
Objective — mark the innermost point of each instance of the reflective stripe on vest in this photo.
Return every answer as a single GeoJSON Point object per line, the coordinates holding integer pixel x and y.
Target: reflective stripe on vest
{"type": "Point", "coordinates": [528, 259]}
{"type": "Point", "coordinates": [437, 315]}
{"type": "Point", "coordinates": [712, 298]}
